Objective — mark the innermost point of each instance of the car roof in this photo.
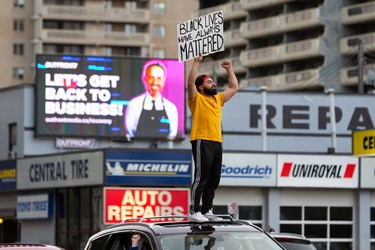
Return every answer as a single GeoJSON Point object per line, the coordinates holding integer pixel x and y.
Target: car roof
{"type": "Point", "coordinates": [180, 224]}
{"type": "Point", "coordinates": [31, 246]}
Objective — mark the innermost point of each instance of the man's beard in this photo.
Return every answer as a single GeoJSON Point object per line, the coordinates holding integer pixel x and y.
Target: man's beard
{"type": "Point", "coordinates": [211, 91]}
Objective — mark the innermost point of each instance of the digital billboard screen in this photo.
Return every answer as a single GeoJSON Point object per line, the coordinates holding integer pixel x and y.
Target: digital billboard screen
{"type": "Point", "coordinates": [112, 97]}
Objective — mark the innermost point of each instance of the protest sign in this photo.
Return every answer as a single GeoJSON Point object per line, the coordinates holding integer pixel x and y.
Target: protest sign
{"type": "Point", "coordinates": [202, 35]}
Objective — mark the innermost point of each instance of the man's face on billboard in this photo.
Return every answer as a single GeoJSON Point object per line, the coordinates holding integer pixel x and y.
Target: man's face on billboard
{"type": "Point", "coordinates": [155, 80]}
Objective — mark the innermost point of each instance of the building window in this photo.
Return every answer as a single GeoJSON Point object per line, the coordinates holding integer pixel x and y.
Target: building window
{"type": "Point", "coordinates": [160, 8]}
{"type": "Point", "coordinates": [77, 212]}
{"type": "Point", "coordinates": [107, 51]}
{"type": "Point", "coordinates": [130, 28]}
{"type": "Point", "coordinates": [372, 226]}
{"type": "Point", "coordinates": [327, 227]}
{"type": "Point", "coordinates": [12, 141]}
{"type": "Point", "coordinates": [159, 53]}
{"type": "Point", "coordinates": [18, 25]}
{"type": "Point", "coordinates": [108, 27]}
{"type": "Point", "coordinates": [159, 31]}
{"type": "Point", "coordinates": [18, 73]}
{"type": "Point", "coordinates": [18, 49]}
{"type": "Point", "coordinates": [251, 213]}
{"type": "Point", "coordinates": [132, 5]}
{"type": "Point", "coordinates": [19, 3]}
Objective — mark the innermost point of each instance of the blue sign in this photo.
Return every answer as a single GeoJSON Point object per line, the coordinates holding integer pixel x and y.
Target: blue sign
{"type": "Point", "coordinates": [8, 174]}
{"type": "Point", "coordinates": [36, 206]}
{"type": "Point", "coordinates": [148, 168]}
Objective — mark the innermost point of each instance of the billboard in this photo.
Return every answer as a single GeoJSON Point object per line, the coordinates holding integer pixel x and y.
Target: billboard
{"type": "Point", "coordinates": [111, 97]}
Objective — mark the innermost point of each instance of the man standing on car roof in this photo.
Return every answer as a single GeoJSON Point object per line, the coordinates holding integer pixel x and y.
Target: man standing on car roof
{"type": "Point", "coordinates": [206, 105]}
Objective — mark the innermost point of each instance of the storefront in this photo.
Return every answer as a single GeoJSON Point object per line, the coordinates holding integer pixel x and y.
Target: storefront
{"type": "Point", "coordinates": [9, 227]}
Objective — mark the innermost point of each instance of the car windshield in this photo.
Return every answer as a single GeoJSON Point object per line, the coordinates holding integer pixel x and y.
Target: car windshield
{"type": "Point", "coordinates": [218, 241]}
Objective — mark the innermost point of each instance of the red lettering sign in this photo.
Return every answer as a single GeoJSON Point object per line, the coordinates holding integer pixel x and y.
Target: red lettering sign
{"type": "Point", "coordinates": [126, 203]}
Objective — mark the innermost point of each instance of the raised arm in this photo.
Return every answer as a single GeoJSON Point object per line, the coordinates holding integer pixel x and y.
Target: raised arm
{"type": "Point", "coordinates": [192, 76]}
{"type": "Point", "coordinates": [232, 81]}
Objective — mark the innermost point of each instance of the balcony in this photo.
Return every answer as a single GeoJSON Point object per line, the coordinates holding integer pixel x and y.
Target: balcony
{"type": "Point", "coordinates": [298, 80]}
{"type": "Point", "coordinates": [282, 53]}
{"type": "Point", "coordinates": [214, 67]}
{"type": "Point", "coordinates": [298, 20]}
{"type": "Point", "coordinates": [233, 38]}
{"type": "Point", "coordinates": [231, 10]}
{"type": "Point", "coordinates": [349, 45]}
{"type": "Point", "coordinates": [94, 13]}
{"type": "Point", "coordinates": [97, 38]}
{"type": "Point", "coordinates": [349, 76]}
{"type": "Point", "coordinates": [257, 4]}
{"type": "Point", "coordinates": [358, 13]}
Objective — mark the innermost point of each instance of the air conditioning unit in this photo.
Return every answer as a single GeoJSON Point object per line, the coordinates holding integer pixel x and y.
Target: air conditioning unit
{"type": "Point", "coordinates": [12, 155]}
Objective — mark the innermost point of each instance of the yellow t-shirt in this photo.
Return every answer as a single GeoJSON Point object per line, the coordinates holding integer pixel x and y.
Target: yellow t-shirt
{"type": "Point", "coordinates": [206, 117]}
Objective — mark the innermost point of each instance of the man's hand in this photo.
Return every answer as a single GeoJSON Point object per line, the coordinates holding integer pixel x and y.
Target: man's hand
{"type": "Point", "coordinates": [226, 64]}
{"type": "Point", "coordinates": [199, 58]}
{"type": "Point", "coordinates": [135, 239]}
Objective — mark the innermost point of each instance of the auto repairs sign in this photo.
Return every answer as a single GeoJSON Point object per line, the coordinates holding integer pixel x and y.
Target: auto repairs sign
{"type": "Point", "coordinates": [329, 171]}
{"type": "Point", "coordinates": [123, 203]}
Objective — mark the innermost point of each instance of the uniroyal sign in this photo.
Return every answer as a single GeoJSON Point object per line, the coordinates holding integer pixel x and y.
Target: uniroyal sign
{"type": "Point", "coordinates": [317, 171]}
{"type": "Point", "coordinates": [122, 203]}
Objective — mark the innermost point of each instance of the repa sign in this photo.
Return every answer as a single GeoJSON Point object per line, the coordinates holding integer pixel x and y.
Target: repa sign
{"type": "Point", "coordinates": [298, 113]}
{"type": "Point", "coordinates": [317, 171]}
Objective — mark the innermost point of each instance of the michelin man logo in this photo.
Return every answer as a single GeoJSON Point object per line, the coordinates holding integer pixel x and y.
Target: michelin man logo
{"type": "Point", "coordinates": [116, 170]}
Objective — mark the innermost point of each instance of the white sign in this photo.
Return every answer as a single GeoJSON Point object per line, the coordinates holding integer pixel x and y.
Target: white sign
{"type": "Point", "coordinates": [202, 35]}
{"type": "Point", "coordinates": [317, 171]}
{"type": "Point", "coordinates": [34, 206]}
{"type": "Point", "coordinates": [367, 172]}
{"type": "Point", "coordinates": [66, 170]}
{"type": "Point", "coordinates": [244, 169]}
{"type": "Point", "coordinates": [74, 143]}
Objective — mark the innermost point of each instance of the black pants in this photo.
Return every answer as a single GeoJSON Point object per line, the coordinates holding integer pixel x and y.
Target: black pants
{"type": "Point", "coordinates": [208, 160]}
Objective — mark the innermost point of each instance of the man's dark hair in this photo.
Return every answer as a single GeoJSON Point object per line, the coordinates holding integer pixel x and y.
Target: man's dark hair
{"type": "Point", "coordinates": [199, 80]}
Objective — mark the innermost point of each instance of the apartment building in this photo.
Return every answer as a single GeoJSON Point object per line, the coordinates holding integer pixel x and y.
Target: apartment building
{"type": "Point", "coordinates": [139, 28]}
{"type": "Point", "coordinates": [293, 45]}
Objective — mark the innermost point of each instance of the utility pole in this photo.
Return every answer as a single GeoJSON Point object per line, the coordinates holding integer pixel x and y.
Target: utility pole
{"type": "Point", "coordinates": [361, 65]}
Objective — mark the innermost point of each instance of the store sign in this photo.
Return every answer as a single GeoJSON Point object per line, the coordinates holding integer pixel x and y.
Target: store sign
{"type": "Point", "coordinates": [8, 175]}
{"type": "Point", "coordinates": [156, 167]}
{"type": "Point", "coordinates": [65, 170]}
{"type": "Point", "coordinates": [244, 169]}
{"type": "Point", "coordinates": [125, 203]}
{"type": "Point", "coordinates": [367, 172]}
{"type": "Point", "coordinates": [38, 206]}
{"type": "Point", "coordinates": [317, 171]}
{"type": "Point", "coordinates": [306, 114]}
{"type": "Point", "coordinates": [363, 142]}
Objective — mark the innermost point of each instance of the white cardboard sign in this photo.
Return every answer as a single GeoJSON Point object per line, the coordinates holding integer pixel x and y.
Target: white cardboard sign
{"type": "Point", "coordinates": [202, 35]}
